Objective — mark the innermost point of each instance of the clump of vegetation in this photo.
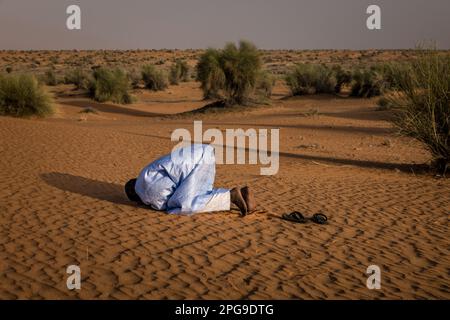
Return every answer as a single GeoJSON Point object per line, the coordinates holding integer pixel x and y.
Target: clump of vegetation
{"type": "Point", "coordinates": [343, 77]}
{"type": "Point", "coordinates": [424, 101]}
{"type": "Point", "coordinates": [367, 84]}
{"type": "Point", "coordinates": [179, 72]}
{"type": "Point", "coordinates": [265, 83]}
{"type": "Point", "coordinates": [210, 74]}
{"type": "Point", "coordinates": [154, 79]}
{"type": "Point", "coordinates": [311, 79]}
{"type": "Point", "coordinates": [231, 72]}
{"type": "Point", "coordinates": [110, 85]}
{"type": "Point", "coordinates": [9, 69]}
{"type": "Point", "coordinates": [21, 95]}
{"type": "Point", "coordinates": [49, 78]}
{"type": "Point", "coordinates": [135, 78]}
{"type": "Point", "coordinates": [78, 77]}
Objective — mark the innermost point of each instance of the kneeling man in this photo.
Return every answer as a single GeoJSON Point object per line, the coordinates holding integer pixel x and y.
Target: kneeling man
{"type": "Point", "coordinates": [182, 183]}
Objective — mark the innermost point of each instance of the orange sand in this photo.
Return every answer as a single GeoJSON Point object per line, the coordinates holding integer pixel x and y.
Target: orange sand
{"type": "Point", "coordinates": [62, 203]}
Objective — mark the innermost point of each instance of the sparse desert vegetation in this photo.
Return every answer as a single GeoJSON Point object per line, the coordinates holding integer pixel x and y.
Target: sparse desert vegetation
{"type": "Point", "coordinates": [179, 71]}
{"type": "Point", "coordinates": [311, 79]}
{"type": "Point", "coordinates": [22, 95]}
{"type": "Point", "coordinates": [232, 73]}
{"type": "Point", "coordinates": [154, 79]}
{"type": "Point", "coordinates": [110, 85]}
{"type": "Point", "coordinates": [424, 102]}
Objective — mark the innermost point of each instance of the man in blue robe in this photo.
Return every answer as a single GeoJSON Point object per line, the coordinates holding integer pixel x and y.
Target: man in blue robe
{"type": "Point", "coordinates": [182, 183]}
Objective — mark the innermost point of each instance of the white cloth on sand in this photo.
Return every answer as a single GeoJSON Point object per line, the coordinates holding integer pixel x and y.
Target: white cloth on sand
{"type": "Point", "coordinates": [182, 182]}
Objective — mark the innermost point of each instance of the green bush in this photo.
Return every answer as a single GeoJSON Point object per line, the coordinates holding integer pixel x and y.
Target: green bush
{"type": "Point", "coordinates": [135, 78]}
{"type": "Point", "coordinates": [210, 74]}
{"type": "Point", "coordinates": [78, 77]}
{"type": "Point", "coordinates": [241, 66]}
{"type": "Point", "coordinates": [232, 71]}
{"type": "Point", "coordinates": [367, 84]}
{"type": "Point", "coordinates": [49, 78]}
{"type": "Point", "coordinates": [424, 100]}
{"type": "Point", "coordinates": [265, 83]}
{"type": "Point", "coordinates": [179, 72]}
{"type": "Point", "coordinates": [343, 77]}
{"type": "Point", "coordinates": [154, 79]}
{"type": "Point", "coordinates": [311, 79]}
{"type": "Point", "coordinates": [110, 85]}
{"type": "Point", "coordinates": [21, 95]}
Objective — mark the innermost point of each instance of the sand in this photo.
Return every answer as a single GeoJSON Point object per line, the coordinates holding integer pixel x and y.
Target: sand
{"type": "Point", "coordinates": [62, 203]}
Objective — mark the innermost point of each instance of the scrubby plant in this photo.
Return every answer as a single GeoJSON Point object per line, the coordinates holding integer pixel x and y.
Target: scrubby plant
{"type": "Point", "coordinates": [424, 101]}
{"type": "Point", "coordinates": [110, 85]}
{"type": "Point", "coordinates": [78, 77]}
{"type": "Point", "coordinates": [265, 83]}
{"type": "Point", "coordinates": [135, 78]}
{"type": "Point", "coordinates": [22, 95]}
{"type": "Point", "coordinates": [311, 79]}
{"type": "Point", "coordinates": [49, 78]}
{"type": "Point", "coordinates": [179, 71]}
{"type": "Point", "coordinates": [153, 78]}
{"type": "Point", "coordinates": [343, 77]}
{"type": "Point", "coordinates": [230, 73]}
{"type": "Point", "coordinates": [210, 74]}
{"type": "Point", "coordinates": [367, 84]}
{"type": "Point", "coordinates": [241, 66]}
{"type": "Point", "coordinates": [9, 69]}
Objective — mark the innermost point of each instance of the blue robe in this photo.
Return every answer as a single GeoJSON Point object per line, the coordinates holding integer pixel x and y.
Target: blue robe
{"type": "Point", "coordinates": [182, 182]}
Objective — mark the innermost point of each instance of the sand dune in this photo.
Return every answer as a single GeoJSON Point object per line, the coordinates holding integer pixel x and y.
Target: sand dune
{"type": "Point", "coordinates": [62, 202]}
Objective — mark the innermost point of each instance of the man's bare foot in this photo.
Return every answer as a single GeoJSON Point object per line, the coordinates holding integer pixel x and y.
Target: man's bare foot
{"type": "Point", "coordinates": [237, 199]}
{"type": "Point", "coordinates": [247, 194]}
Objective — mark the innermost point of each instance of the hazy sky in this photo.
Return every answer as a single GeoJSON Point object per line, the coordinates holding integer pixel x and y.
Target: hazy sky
{"type": "Point", "coordinates": [270, 24]}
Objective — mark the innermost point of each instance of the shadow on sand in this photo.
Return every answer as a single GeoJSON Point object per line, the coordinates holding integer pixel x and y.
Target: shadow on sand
{"type": "Point", "coordinates": [111, 108]}
{"type": "Point", "coordinates": [101, 190]}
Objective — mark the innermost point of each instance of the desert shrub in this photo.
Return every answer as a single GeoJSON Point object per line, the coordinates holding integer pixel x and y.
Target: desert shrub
{"type": "Point", "coordinates": [232, 71]}
{"type": "Point", "coordinates": [49, 78]}
{"type": "Point", "coordinates": [265, 83]}
{"type": "Point", "coordinates": [9, 69]}
{"type": "Point", "coordinates": [78, 77]}
{"type": "Point", "coordinates": [154, 79]}
{"type": "Point", "coordinates": [241, 66]}
{"type": "Point", "coordinates": [21, 95]}
{"type": "Point", "coordinates": [179, 72]}
{"type": "Point", "coordinates": [367, 84]}
{"type": "Point", "coordinates": [210, 74]}
{"type": "Point", "coordinates": [135, 78]}
{"type": "Point", "coordinates": [424, 101]}
{"type": "Point", "coordinates": [311, 79]}
{"type": "Point", "coordinates": [110, 85]}
{"type": "Point", "coordinates": [343, 77]}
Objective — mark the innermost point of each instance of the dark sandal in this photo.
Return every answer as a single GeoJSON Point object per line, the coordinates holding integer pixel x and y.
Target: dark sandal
{"type": "Point", "coordinates": [294, 216]}
{"type": "Point", "coordinates": [297, 217]}
{"type": "Point", "coordinates": [319, 218]}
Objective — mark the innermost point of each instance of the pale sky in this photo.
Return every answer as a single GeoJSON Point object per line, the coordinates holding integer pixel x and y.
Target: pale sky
{"type": "Point", "coordinates": [270, 24]}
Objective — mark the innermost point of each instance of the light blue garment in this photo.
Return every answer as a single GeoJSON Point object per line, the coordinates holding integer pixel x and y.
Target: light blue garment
{"type": "Point", "coordinates": [181, 182]}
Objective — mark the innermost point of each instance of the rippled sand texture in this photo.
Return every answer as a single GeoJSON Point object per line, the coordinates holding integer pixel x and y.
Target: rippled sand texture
{"type": "Point", "coordinates": [62, 203]}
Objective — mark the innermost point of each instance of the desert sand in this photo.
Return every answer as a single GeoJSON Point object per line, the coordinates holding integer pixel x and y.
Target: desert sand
{"type": "Point", "coordinates": [62, 203]}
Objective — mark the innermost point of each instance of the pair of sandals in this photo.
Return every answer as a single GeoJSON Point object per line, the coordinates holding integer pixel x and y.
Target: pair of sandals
{"type": "Point", "coordinates": [297, 217]}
